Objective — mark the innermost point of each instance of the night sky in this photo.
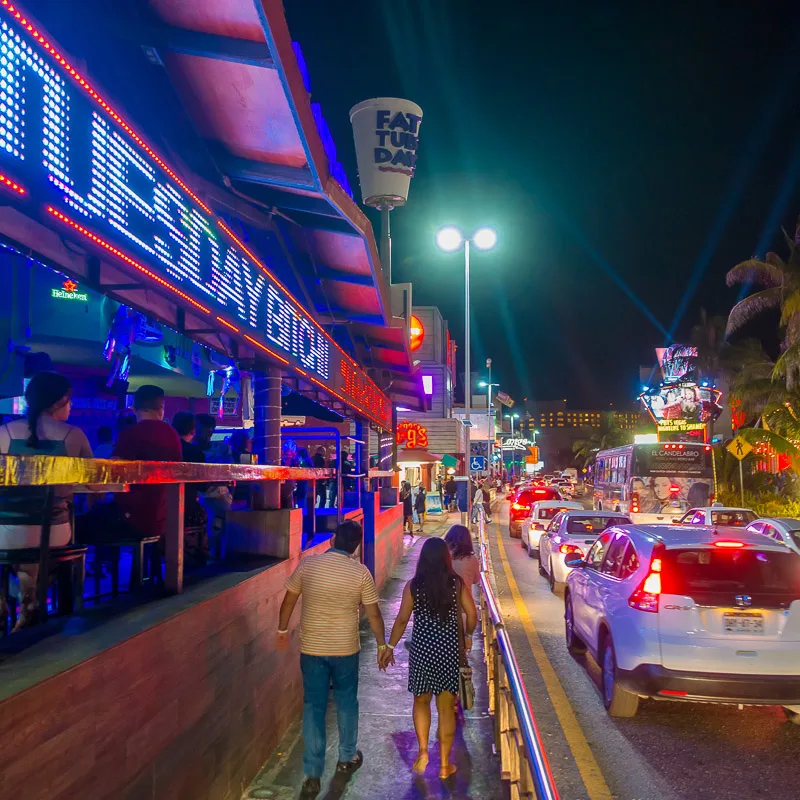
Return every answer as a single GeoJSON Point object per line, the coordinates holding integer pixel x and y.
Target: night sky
{"type": "Point", "coordinates": [628, 154]}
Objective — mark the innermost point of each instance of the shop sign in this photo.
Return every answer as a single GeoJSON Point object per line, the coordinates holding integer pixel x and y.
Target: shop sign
{"type": "Point", "coordinates": [412, 434]}
{"type": "Point", "coordinates": [69, 292]}
{"type": "Point", "coordinates": [93, 175]}
{"type": "Point", "coordinates": [386, 133]}
{"type": "Point", "coordinates": [516, 444]}
{"type": "Point", "coordinates": [679, 426]}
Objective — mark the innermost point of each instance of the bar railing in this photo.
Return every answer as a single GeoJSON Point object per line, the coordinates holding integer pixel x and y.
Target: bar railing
{"type": "Point", "coordinates": [523, 761]}
{"type": "Point", "coordinates": [97, 475]}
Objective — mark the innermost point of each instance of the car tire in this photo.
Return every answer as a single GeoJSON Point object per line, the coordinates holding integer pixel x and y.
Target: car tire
{"type": "Point", "coordinates": [619, 702]}
{"type": "Point", "coordinates": [523, 542]}
{"type": "Point", "coordinates": [792, 716]}
{"type": "Point", "coordinates": [574, 644]}
{"type": "Point", "coordinates": [541, 568]}
{"type": "Point", "coordinates": [532, 552]}
{"type": "Point", "coordinates": [551, 578]}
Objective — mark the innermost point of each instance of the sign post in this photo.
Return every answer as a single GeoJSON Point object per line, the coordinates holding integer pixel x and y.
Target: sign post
{"type": "Point", "coordinates": [740, 448]}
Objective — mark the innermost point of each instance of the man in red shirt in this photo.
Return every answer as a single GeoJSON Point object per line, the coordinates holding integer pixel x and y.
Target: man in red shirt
{"type": "Point", "coordinates": [150, 439]}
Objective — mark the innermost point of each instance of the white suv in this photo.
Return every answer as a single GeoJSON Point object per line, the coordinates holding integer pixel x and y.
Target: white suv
{"type": "Point", "coordinates": [688, 613]}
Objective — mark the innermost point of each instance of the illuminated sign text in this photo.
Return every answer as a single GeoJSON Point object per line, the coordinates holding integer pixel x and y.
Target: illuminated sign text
{"type": "Point", "coordinates": [66, 152]}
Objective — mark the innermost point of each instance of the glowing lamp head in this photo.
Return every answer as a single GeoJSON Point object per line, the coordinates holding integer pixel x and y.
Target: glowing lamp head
{"type": "Point", "coordinates": [482, 384]}
{"type": "Point", "coordinates": [484, 238]}
{"type": "Point", "coordinates": [449, 239]}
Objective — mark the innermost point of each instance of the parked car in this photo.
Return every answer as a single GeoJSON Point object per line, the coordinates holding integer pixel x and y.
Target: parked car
{"type": "Point", "coordinates": [690, 614]}
{"type": "Point", "coordinates": [523, 502]}
{"type": "Point", "coordinates": [538, 520]}
{"type": "Point", "coordinates": [572, 533]}
{"type": "Point", "coordinates": [726, 516]}
{"type": "Point", "coordinates": [781, 529]}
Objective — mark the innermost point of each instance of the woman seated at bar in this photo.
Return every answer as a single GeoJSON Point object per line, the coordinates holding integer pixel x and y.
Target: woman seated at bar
{"type": "Point", "coordinates": [44, 431]}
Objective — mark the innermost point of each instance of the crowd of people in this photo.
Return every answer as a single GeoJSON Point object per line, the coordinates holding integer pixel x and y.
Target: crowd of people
{"type": "Point", "coordinates": [142, 434]}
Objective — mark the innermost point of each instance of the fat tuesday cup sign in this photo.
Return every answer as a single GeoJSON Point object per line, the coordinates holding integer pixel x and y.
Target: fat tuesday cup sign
{"type": "Point", "coordinates": [386, 133]}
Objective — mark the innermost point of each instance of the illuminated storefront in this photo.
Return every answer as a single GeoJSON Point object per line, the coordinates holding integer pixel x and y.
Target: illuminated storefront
{"type": "Point", "coordinates": [87, 195]}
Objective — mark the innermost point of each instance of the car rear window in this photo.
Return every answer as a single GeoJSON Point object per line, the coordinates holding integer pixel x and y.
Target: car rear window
{"type": "Point", "coordinates": [529, 496]}
{"type": "Point", "coordinates": [717, 576]}
{"type": "Point", "coordinates": [592, 526]}
{"type": "Point", "coordinates": [548, 513]}
{"type": "Point", "coordinates": [734, 519]}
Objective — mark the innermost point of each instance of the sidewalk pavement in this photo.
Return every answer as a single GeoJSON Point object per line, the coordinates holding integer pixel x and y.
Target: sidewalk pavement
{"type": "Point", "coordinates": [386, 729]}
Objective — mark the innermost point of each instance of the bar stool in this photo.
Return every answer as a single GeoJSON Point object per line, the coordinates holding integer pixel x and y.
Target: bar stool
{"type": "Point", "coordinates": [70, 564]}
{"type": "Point", "coordinates": [110, 552]}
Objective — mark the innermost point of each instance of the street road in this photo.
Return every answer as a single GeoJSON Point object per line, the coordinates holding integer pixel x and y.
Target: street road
{"type": "Point", "coordinates": [669, 751]}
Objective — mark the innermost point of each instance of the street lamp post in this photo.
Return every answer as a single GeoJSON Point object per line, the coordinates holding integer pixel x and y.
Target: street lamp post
{"type": "Point", "coordinates": [489, 414]}
{"type": "Point", "coordinates": [512, 417]}
{"type": "Point", "coordinates": [451, 239]}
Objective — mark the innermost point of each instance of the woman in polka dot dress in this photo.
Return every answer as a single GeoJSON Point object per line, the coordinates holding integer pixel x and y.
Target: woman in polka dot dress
{"type": "Point", "coordinates": [433, 667]}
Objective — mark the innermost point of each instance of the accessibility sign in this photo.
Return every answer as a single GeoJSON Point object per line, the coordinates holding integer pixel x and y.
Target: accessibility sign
{"type": "Point", "coordinates": [740, 448]}
{"type": "Point", "coordinates": [477, 463]}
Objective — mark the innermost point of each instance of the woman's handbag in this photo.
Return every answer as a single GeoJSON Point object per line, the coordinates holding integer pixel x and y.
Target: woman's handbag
{"type": "Point", "coordinates": [466, 689]}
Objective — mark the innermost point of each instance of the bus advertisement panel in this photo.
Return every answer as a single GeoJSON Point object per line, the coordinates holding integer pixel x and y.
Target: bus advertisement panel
{"type": "Point", "coordinates": [654, 482]}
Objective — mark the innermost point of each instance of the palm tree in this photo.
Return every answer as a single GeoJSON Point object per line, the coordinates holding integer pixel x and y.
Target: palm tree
{"type": "Point", "coordinates": [607, 434]}
{"type": "Point", "coordinates": [781, 282]}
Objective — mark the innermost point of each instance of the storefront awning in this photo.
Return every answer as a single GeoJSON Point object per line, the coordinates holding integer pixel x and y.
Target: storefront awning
{"type": "Point", "coordinates": [417, 457]}
{"type": "Point", "coordinates": [245, 86]}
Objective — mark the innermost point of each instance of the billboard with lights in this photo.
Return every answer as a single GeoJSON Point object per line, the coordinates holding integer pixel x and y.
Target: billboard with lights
{"type": "Point", "coordinates": [69, 158]}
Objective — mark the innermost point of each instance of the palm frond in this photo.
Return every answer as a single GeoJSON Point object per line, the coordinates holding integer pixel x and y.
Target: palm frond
{"type": "Point", "coordinates": [765, 273]}
{"type": "Point", "coordinates": [790, 307]}
{"type": "Point", "coordinates": [778, 443]}
{"type": "Point", "coordinates": [788, 361]}
{"type": "Point", "coordinates": [749, 308]}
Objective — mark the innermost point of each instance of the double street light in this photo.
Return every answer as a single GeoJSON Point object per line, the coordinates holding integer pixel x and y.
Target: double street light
{"type": "Point", "coordinates": [451, 239]}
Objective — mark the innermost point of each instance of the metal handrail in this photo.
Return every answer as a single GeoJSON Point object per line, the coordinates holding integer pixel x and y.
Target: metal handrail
{"type": "Point", "coordinates": [525, 766]}
{"type": "Point", "coordinates": [64, 470]}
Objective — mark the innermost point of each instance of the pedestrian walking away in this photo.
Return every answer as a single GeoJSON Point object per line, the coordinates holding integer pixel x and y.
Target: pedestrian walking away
{"type": "Point", "coordinates": [334, 586]}
{"type": "Point", "coordinates": [436, 597]}
{"type": "Point", "coordinates": [419, 507]}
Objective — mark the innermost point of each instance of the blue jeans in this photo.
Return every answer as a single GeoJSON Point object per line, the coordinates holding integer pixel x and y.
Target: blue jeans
{"type": "Point", "coordinates": [318, 674]}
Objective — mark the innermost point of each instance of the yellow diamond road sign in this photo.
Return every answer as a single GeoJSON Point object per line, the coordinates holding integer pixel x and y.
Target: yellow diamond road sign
{"type": "Point", "coordinates": [740, 448]}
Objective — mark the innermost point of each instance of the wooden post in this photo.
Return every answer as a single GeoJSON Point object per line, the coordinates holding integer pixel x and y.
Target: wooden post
{"type": "Point", "coordinates": [173, 578]}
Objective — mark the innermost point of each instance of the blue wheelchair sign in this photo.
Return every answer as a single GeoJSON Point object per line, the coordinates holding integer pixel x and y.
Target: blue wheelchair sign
{"type": "Point", "coordinates": [477, 463]}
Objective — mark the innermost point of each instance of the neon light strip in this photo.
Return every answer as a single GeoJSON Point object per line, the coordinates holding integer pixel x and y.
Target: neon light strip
{"type": "Point", "coordinates": [350, 403]}
{"type": "Point", "coordinates": [227, 324]}
{"type": "Point", "coordinates": [265, 349]}
{"type": "Point", "coordinates": [127, 259]}
{"type": "Point", "coordinates": [300, 308]}
{"type": "Point", "coordinates": [81, 81]}
{"type": "Point", "coordinates": [6, 181]}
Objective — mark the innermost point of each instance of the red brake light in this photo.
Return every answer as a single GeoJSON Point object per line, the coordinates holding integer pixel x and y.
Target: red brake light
{"type": "Point", "coordinates": [568, 548]}
{"type": "Point", "coordinates": [645, 598]}
{"type": "Point", "coordinates": [708, 448]}
{"type": "Point", "coordinates": [671, 693]}
{"type": "Point", "coordinates": [728, 544]}
{"type": "Point", "coordinates": [540, 491]}
{"type": "Point", "coordinates": [635, 503]}
{"type": "Point", "coordinates": [520, 507]}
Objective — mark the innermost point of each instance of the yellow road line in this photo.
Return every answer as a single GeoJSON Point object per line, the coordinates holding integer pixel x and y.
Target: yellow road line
{"type": "Point", "coordinates": [588, 767]}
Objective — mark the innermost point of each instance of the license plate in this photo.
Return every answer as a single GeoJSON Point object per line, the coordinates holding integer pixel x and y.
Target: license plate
{"type": "Point", "coordinates": [743, 622]}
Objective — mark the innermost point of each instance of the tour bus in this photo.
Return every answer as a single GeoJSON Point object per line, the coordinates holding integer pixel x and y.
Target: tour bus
{"type": "Point", "coordinates": [654, 482]}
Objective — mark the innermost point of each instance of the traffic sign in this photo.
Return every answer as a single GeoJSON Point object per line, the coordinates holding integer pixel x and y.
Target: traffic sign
{"type": "Point", "coordinates": [740, 448]}
{"type": "Point", "coordinates": [477, 463]}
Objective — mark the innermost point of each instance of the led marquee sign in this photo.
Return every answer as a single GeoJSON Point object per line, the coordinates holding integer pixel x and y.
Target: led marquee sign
{"type": "Point", "coordinates": [66, 152]}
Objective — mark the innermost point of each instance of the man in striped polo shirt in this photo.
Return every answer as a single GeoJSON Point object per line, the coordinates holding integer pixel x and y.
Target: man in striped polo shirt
{"type": "Point", "coordinates": [334, 586]}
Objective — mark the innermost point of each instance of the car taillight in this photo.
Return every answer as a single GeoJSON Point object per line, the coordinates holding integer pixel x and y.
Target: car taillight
{"type": "Point", "coordinates": [728, 544]}
{"type": "Point", "coordinates": [645, 598]}
{"type": "Point", "coordinates": [566, 549]}
{"type": "Point", "coordinates": [635, 503]}
{"type": "Point", "coordinates": [520, 507]}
